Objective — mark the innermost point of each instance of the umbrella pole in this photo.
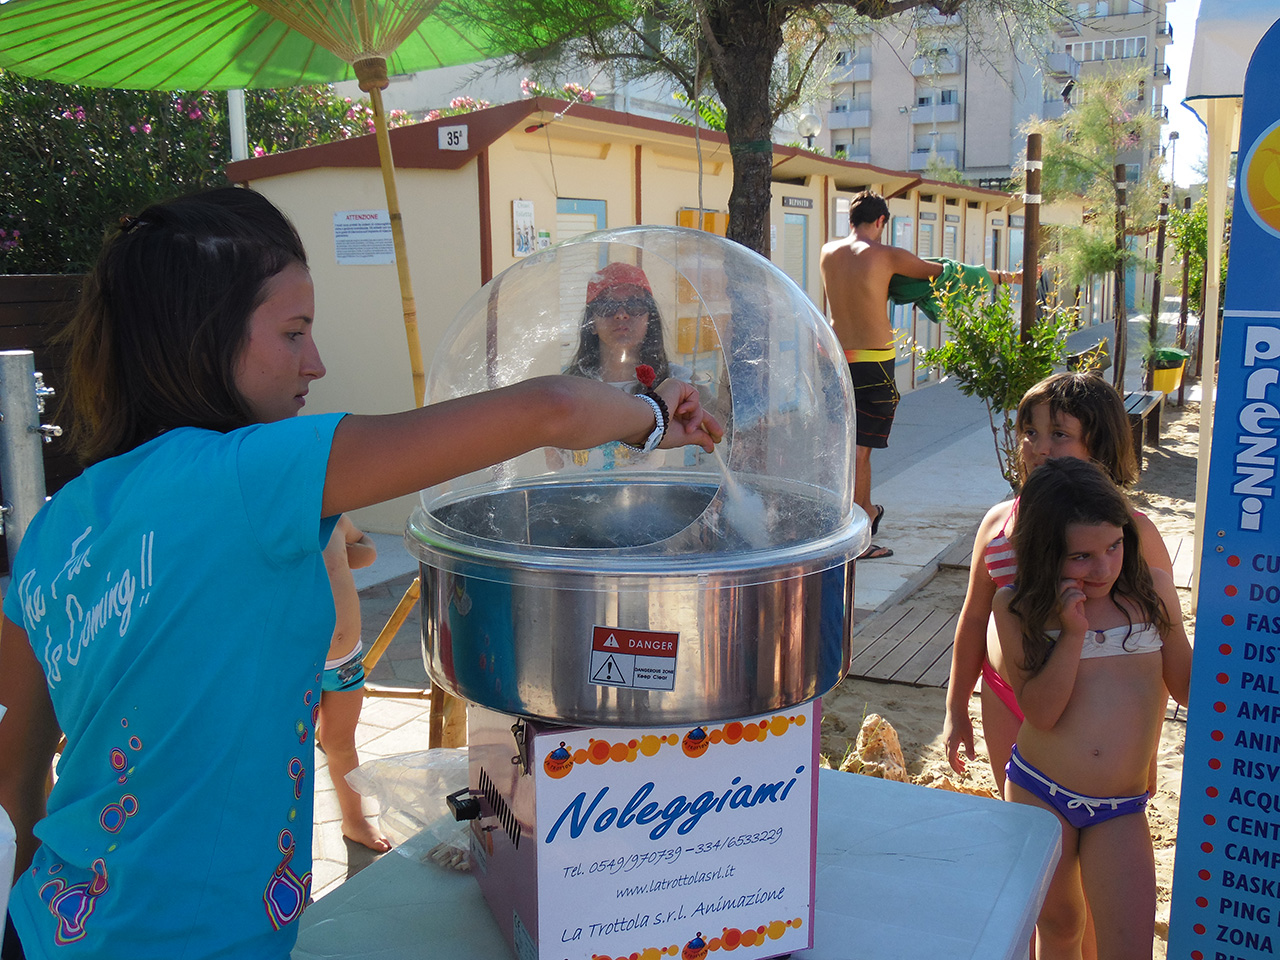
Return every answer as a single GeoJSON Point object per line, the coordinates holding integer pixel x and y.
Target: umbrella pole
{"type": "Point", "coordinates": [373, 83]}
{"type": "Point", "coordinates": [372, 75]}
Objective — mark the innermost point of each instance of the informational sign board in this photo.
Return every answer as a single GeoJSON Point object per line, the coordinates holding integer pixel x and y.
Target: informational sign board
{"type": "Point", "coordinates": [524, 236]}
{"type": "Point", "coordinates": [680, 841]}
{"type": "Point", "coordinates": [363, 237]}
{"type": "Point", "coordinates": [1226, 886]}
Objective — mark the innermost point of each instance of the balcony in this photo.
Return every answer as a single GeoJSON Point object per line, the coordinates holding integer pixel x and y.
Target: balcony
{"type": "Point", "coordinates": [856, 72]}
{"type": "Point", "coordinates": [1161, 73]}
{"type": "Point", "coordinates": [855, 157]}
{"type": "Point", "coordinates": [920, 158]}
{"type": "Point", "coordinates": [1061, 67]}
{"type": "Point", "coordinates": [1160, 112]}
{"type": "Point", "coordinates": [1164, 33]}
{"type": "Point", "coordinates": [938, 66]}
{"type": "Point", "coordinates": [846, 117]}
{"type": "Point", "coordinates": [936, 113]}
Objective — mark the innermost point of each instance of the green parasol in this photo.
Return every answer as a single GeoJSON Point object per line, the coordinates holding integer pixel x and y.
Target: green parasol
{"type": "Point", "coordinates": [219, 45]}
{"type": "Point", "coordinates": [234, 44]}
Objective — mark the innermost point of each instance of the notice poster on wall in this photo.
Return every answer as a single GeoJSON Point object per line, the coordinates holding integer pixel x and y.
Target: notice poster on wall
{"type": "Point", "coordinates": [1226, 886]}
{"type": "Point", "coordinates": [363, 237]}
{"type": "Point", "coordinates": [525, 236]}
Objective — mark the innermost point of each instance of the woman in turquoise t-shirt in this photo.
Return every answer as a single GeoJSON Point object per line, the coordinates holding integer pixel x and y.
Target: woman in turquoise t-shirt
{"type": "Point", "coordinates": [169, 609]}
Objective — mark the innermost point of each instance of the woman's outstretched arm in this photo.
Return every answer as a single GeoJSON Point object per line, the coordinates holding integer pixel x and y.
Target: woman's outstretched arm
{"type": "Point", "coordinates": [376, 458]}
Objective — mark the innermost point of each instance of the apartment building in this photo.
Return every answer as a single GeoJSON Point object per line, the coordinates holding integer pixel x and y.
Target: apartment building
{"type": "Point", "coordinates": [934, 98]}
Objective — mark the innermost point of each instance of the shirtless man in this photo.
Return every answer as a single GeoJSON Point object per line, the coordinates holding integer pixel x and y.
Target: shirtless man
{"type": "Point", "coordinates": [855, 273]}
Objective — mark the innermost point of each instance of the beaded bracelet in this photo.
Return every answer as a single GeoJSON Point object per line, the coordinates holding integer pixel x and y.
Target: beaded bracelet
{"type": "Point", "coordinates": [660, 415]}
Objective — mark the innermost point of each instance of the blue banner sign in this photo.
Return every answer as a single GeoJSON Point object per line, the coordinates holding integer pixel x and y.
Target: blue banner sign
{"type": "Point", "coordinates": [1226, 888]}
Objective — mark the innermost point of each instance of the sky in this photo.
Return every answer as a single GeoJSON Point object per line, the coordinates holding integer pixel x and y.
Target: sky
{"type": "Point", "coordinates": [1190, 148]}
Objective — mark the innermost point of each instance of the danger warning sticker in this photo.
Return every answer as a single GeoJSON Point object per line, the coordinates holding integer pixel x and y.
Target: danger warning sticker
{"type": "Point", "coordinates": [641, 659]}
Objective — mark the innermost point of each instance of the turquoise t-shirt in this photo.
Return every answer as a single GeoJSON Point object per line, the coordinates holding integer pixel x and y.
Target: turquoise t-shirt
{"type": "Point", "coordinates": [177, 601]}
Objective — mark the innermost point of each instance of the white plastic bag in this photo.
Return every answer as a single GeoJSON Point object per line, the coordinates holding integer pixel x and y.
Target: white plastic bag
{"type": "Point", "coordinates": [411, 789]}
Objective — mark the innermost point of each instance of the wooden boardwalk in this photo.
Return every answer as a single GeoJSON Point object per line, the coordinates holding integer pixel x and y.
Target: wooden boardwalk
{"type": "Point", "coordinates": [908, 643]}
{"type": "Point", "coordinates": [911, 642]}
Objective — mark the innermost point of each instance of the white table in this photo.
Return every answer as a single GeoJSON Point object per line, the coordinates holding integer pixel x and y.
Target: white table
{"type": "Point", "coordinates": [903, 872]}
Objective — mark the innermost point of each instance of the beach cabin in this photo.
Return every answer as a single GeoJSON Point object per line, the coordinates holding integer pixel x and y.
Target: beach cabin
{"type": "Point", "coordinates": [481, 190]}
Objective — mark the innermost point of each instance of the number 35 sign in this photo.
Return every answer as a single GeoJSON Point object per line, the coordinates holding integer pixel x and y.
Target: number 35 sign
{"type": "Point", "coordinates": [453, 138]}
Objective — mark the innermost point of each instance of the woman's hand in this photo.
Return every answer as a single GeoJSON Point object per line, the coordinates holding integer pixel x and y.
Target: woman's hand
{"type": "Point", "coordinates": [690, 424]}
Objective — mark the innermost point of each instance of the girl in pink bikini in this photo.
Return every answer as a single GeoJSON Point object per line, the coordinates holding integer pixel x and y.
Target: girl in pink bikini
{"type": "Point", "coordinates": [1093, 644]}
{"type": "Point", "coordinates": [1066, 415]}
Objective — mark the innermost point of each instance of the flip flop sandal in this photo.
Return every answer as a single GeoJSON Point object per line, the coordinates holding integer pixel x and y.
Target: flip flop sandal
{"type": "Point", "coordinates": [875, 521]}
{"type": "Point", "coordinates": [875, 552]}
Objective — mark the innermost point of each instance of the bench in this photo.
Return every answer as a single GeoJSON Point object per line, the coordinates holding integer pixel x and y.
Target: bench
{"type": "Point", "coordinates": [1095, 359]}
{"type": "Point", "coordinates": [1144, 407]}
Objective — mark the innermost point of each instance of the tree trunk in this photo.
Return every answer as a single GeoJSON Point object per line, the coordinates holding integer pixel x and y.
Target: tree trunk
{"type": "Point", "coordinates": [1121, 352]}
{"type": "Point", "coordinates": [741, 66]}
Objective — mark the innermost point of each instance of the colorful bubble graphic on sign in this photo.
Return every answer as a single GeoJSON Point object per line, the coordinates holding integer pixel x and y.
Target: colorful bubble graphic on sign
{"type": "Point", "coordinates": [701, 947]}
{"type": "Point", "coordinates": [1261, 180]}
{"type": "Point", "coordinates": [695, 743]}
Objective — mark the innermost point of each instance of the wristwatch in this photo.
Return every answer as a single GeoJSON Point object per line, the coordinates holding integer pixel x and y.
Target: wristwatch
{"type": "Point", "coordinates": [660, 417]}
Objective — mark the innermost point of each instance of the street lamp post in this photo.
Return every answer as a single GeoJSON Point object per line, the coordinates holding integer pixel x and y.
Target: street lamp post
{"type": "Point", "coordinates": [906, 112]}
{"type": "Point", "coordinates": [809, 127]}
{"type": "Point", "coordinates": [1173, 156]}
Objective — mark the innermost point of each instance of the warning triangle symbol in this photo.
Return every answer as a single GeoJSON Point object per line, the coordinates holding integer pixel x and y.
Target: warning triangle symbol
{"type": "Point", "coordinates": [609, 672]}
{"type": "Point", "coordinates": [612, 642]}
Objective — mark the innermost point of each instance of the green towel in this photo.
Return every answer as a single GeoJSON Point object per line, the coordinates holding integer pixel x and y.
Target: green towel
{"type": "Point", "coordinates": [908, 291]}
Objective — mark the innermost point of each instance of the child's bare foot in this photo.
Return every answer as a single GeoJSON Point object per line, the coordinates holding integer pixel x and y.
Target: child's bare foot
{"type": "Point", "coordinates": [364, 833]}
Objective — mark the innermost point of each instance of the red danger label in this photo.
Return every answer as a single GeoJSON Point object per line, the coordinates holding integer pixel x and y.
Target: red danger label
{"type": "Point", "coordinates": [645, 643]}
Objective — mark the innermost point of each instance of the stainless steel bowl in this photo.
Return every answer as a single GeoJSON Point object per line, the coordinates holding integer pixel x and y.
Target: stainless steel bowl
{"type": "Point", "coordinates": [516, 579]}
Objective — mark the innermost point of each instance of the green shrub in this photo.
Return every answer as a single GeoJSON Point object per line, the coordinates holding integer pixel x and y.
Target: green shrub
{"type": "Point", "coordinates": [985, 353]}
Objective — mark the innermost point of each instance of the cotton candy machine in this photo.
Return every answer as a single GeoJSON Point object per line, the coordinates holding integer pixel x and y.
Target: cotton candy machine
{"type": "Point", "coordinates": [643, 629]}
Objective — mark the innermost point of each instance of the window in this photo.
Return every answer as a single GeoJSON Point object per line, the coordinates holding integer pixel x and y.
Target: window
{"type": "Point", "coordinates": [924, 100]}
{"type": "Point", "coordinates": [1117, 49]}
{"type": "Point", "coordinates": [950, 95]}
{"type": "Point", "coordinates": [843, 58]}
{"type": "Point", "coordinates": [840, 150]}
{"type": "Point", "coordinates": [1102, 9]}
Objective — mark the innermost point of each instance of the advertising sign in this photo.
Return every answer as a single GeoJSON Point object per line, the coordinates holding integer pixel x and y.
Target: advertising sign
{"type": "Point", "coordinates": [1226, 890]}
{"type": "Point", "coordinates": [677, 841]}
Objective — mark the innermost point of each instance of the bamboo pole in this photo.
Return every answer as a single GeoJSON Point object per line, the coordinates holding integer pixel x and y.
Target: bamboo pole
{"type": "Point", "coordinates": [372, 75]}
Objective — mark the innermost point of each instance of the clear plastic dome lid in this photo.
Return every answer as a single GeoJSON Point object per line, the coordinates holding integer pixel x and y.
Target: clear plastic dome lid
{"type": "Point", "coordinates": [693, 306]}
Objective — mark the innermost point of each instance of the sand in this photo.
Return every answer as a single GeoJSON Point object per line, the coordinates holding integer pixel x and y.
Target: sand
{"type": "Point", "coordinates": [1166, 493]}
